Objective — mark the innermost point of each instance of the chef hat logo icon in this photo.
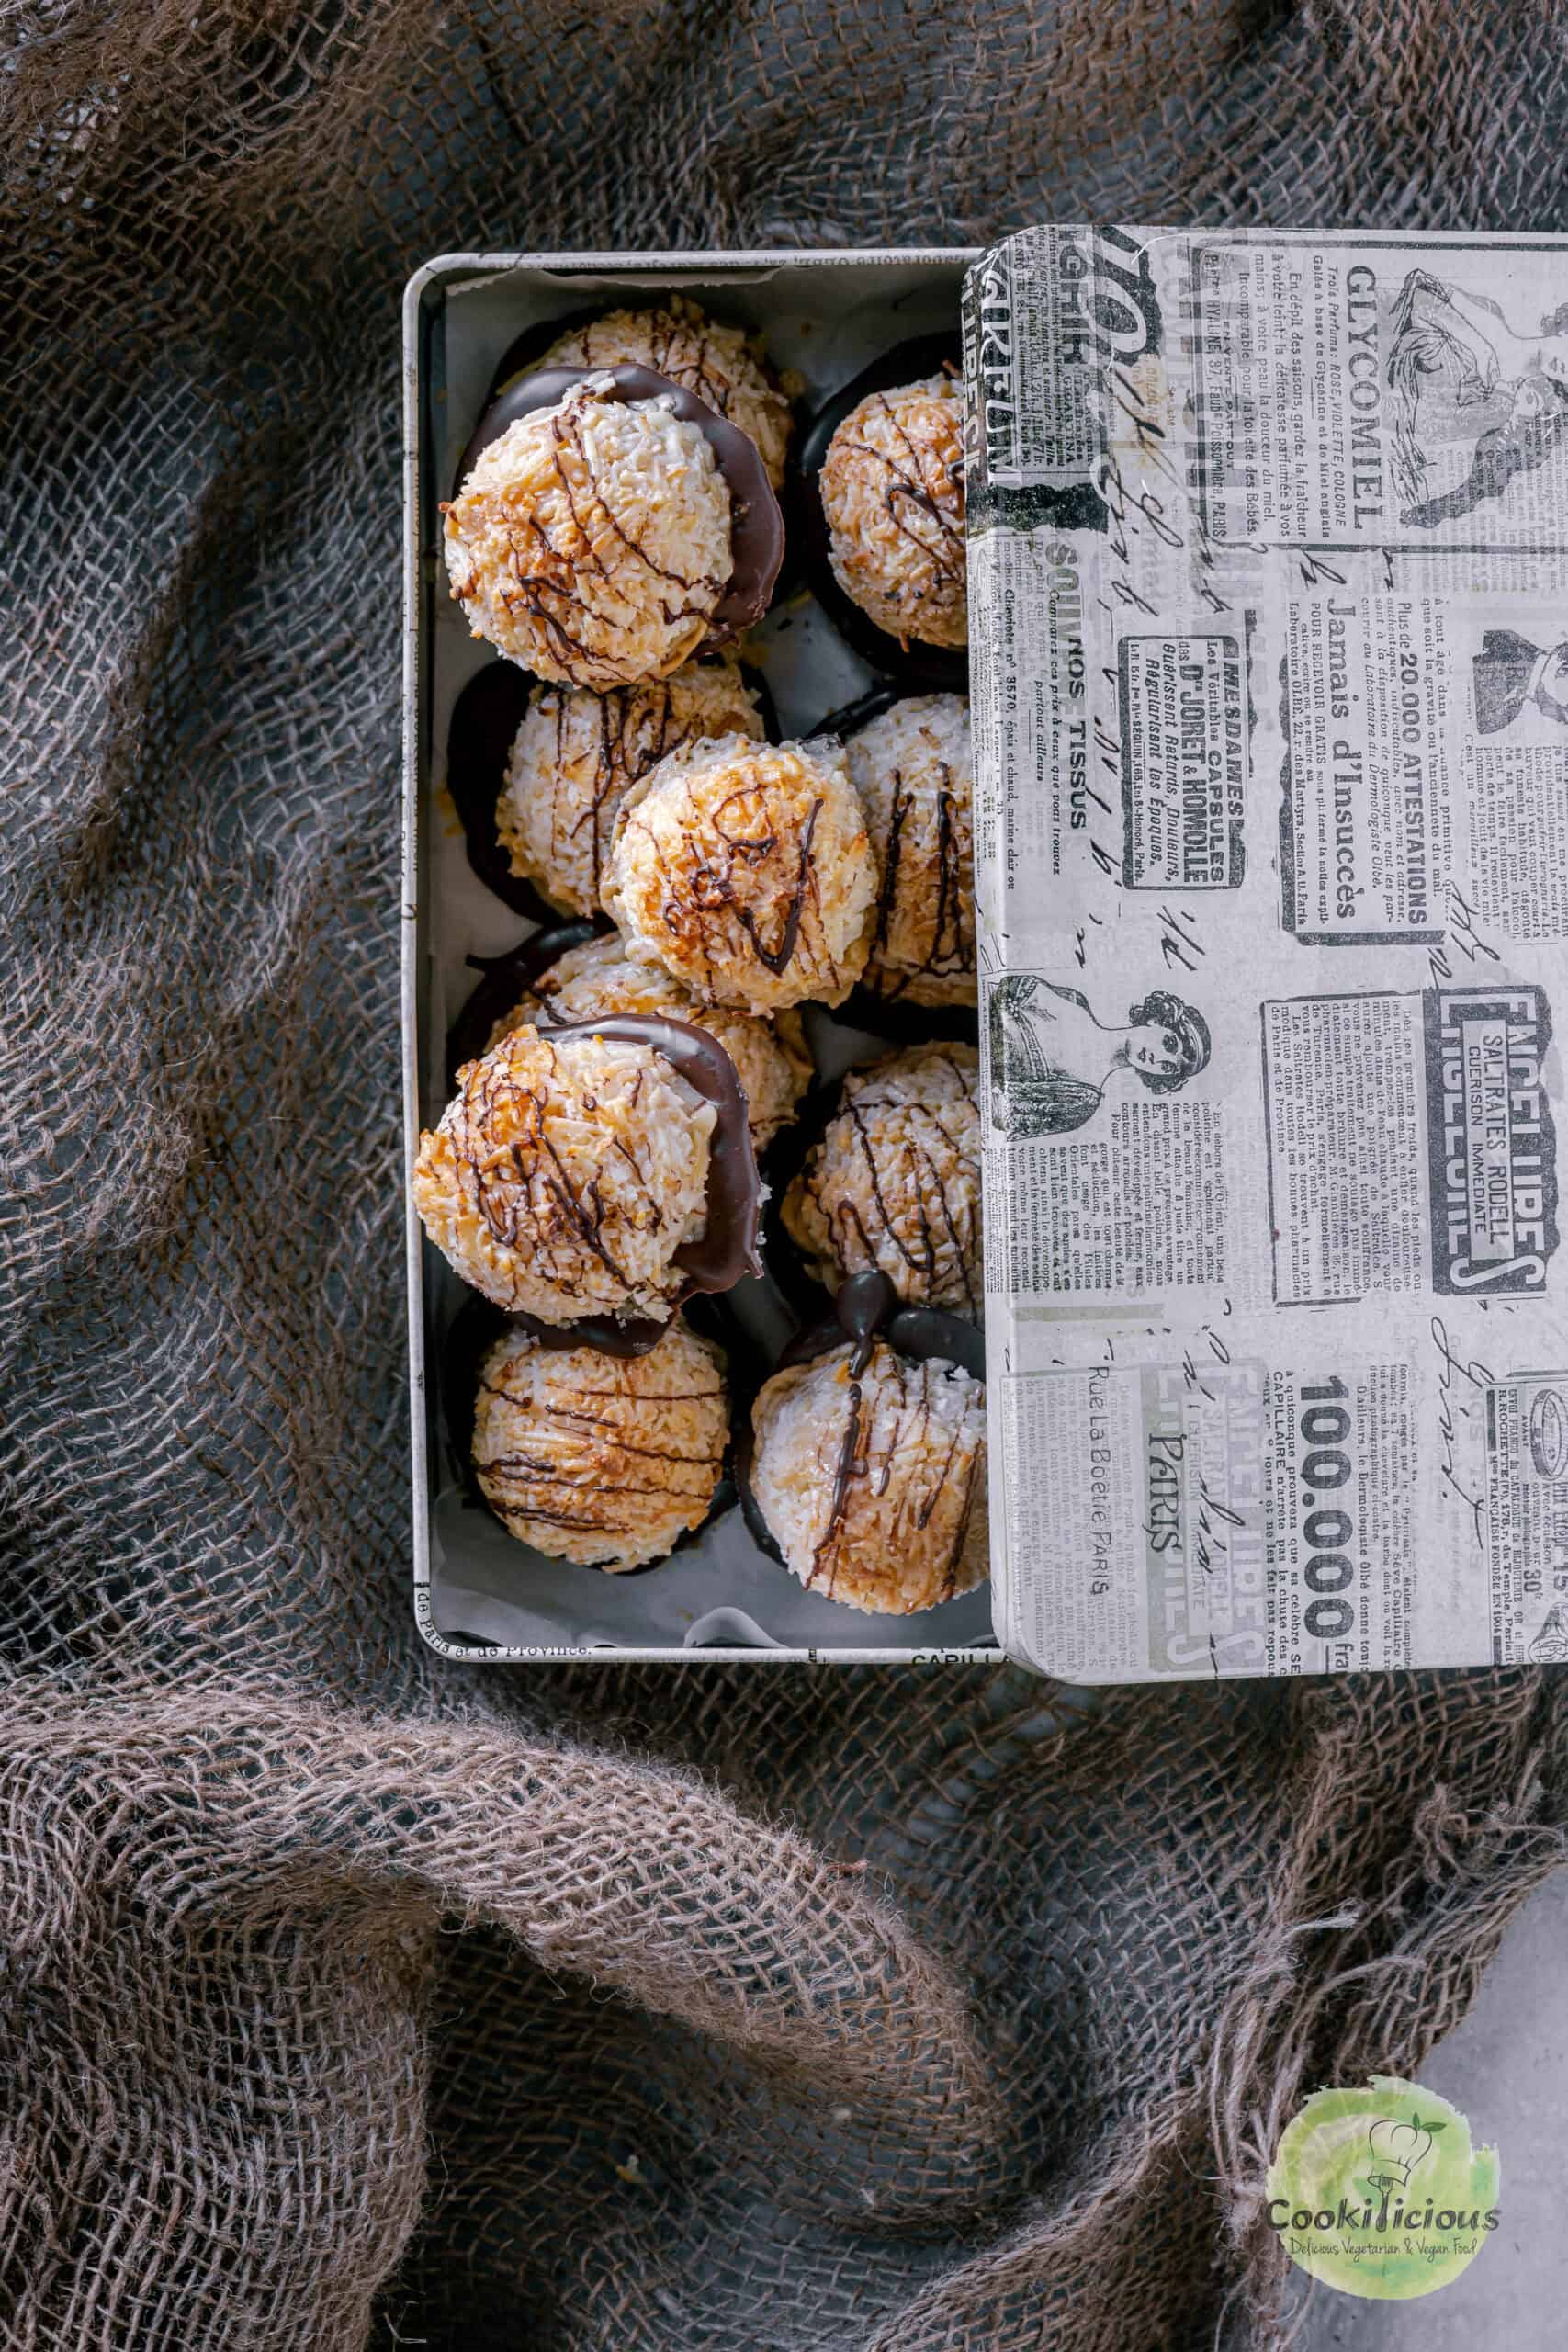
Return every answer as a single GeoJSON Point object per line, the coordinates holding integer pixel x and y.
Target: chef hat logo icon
{"type": "Point", "coordinates": [1397, 2149]}
{"type": "Point", "coordinates": [1378, 2190]}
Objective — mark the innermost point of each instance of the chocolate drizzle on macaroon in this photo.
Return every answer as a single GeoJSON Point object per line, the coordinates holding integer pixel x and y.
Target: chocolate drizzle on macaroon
{"type": "Point", "coordinates": [926, 1238]}
{"type": "Point", "coordinates": [479, 736]}
{"type": "Point", "coordinates": [865, 1309]}
{"type": "Point", "coordinates": [889, 1014]}
{"type": "Point", "coordinates": [935, 668]}
{"type": "Point", "coordinates": [757, 534]}
{"type": "Point", "coordinates": [728, 1249]}
{"type": "Point", "coordinates": [943, 954]}
{"type": "Point", "coordinates": [473, 1332]}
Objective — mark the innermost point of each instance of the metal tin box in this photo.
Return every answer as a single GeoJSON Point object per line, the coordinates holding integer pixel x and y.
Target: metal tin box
{"type": "Point", "coordinates": [826, 315]}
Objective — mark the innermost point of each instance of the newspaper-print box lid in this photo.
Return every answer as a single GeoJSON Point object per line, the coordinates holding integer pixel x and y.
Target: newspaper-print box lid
{"type": "Point", "coordinates": [1269, 591]}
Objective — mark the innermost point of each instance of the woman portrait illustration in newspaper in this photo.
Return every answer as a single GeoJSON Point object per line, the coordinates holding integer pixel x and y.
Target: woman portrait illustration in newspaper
{"type": "Point", "coordinates": [1460, 346]}
{"type": "Point", "coordinates": [1052, 1060]}
{"type": "Point", "coordinates": [1514, 676]}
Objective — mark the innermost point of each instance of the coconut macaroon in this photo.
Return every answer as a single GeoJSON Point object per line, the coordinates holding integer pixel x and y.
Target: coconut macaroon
{"type": "Point", "coordinates": [773, 1063]}
{"type": "Point", "coordinates": [894, 1186]}
{"type": "Point", "coordinates": [914, 772]}
{"type": "Point", "coordinates": [604, 1460]}
{"type": "Point", "coordinates": [565, 1175]}
{"type": "Point", "coordinates": [892, 492]}
{"type": "Point", "coordinates": [591, 541]}
{"type": "Point", "coordinates": [577, 755]}
{"type": "Point", "coordinates": [872, 1484]}
{"type": "Point", "coordinates": [745, 869]}
{"type": "Point", "coordinates": [721, 365]}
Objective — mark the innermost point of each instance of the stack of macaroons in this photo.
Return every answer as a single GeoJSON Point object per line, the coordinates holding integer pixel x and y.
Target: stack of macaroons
{"type": "Point", "coordinates": [614, 532]}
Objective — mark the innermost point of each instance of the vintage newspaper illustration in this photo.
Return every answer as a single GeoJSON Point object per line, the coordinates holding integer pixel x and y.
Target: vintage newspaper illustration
{"type": "Point", "coordinates": [1269, 593]}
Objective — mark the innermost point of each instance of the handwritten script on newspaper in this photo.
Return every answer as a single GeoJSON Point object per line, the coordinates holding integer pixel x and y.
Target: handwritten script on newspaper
{"type": "Point", "coordinates": [1269, 590]}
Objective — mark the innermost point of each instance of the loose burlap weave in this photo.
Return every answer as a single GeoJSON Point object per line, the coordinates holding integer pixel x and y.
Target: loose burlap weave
{"type": "Point", "coordinates": [352, 1997]}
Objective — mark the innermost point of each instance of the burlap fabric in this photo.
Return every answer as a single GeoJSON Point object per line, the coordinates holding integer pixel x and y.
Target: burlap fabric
{"type": "Point", "coordinates": [352, 1998]}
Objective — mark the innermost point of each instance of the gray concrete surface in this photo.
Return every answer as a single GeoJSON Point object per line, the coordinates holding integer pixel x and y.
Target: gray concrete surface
{"type": "Point", "coordinates": [1507, 2068]}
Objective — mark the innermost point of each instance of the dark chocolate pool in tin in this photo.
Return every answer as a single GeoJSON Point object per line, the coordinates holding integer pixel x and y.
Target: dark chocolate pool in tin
{"type": "Point", "coordinates": [866, 1308]}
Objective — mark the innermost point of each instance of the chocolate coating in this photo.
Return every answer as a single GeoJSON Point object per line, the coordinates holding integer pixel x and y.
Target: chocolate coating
{"type": "Point", "coordinates": [906, 1025]}
{"type": "Point", "coordinates": [851, 717]}
{"type": "Point", "coordinates": [728, 1248]}
{"type": "Point", "coordinates": [756, 534]}
{"type": "Point", "coordinates": [757, 1526]}
{"type": "Point", "coordinates": [504, 978]}
{"type": "Point", "coordinates": [485, 717]}
{"type": "Point", "coordinates": [639, 1335]}
{"type": "Point", "coordinates": [787, 1155]}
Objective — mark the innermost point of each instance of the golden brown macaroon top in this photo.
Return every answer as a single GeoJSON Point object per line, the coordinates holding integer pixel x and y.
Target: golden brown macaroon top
{"type": "Point", "coordinates": [603, 1460]}
{"type": "Point", "coordinates": [746, 870]}
{"type": "Point", "coordinates": [565, 1174]}
{"type": "Point", "coordinates": [591, 541]}
{"type": "Point", "coordinates": [873, 1483]}
{"type": "Point", "coordinates": [891, 491]}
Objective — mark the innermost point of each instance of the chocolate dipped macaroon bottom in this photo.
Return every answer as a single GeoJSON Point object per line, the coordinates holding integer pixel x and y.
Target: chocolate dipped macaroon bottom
{"type": "Point", "coordinates": [910, 761]}
{"type": "Point", "coordinates": [892, 492]}
{"type": "Point", "coordinates": [878, 505]}
{"type": "Point", "coordinates": [603, 743]}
